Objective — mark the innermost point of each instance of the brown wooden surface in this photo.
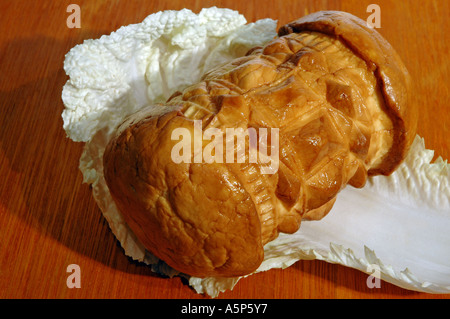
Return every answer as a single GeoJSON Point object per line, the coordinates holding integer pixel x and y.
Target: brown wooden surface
{"type": "Point", "coordinates": [48, 218]}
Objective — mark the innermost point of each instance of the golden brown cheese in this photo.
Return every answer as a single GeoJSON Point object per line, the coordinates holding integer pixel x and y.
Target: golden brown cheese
{"type": "Point", "coordinates": [339, 118]}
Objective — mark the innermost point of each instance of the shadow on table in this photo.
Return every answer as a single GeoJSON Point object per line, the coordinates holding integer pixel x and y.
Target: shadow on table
{"type": "Point", "coordinates": [350, 280]}
{"type": "Point", "coordinates": [41, 183]}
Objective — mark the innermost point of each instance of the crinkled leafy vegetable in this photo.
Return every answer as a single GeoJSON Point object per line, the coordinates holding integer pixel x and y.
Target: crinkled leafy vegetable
{"type": "Point", "coordinates": [397, 224]}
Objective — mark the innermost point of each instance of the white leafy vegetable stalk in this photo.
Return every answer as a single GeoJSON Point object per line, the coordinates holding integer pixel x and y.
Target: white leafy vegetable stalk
{"type": "Point", "coordinates": [398, 225]}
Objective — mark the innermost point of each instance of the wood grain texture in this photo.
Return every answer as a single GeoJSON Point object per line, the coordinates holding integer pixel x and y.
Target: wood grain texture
{"type": "Point", "coordinates": [48, 218]}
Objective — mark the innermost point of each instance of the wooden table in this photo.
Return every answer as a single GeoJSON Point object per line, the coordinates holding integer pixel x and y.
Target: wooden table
{"type": "Point", "coordinates": [49, 219]}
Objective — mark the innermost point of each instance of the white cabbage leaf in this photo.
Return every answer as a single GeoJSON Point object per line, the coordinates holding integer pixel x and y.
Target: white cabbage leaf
{"type": "Point", "coordinates": [397, 226]}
